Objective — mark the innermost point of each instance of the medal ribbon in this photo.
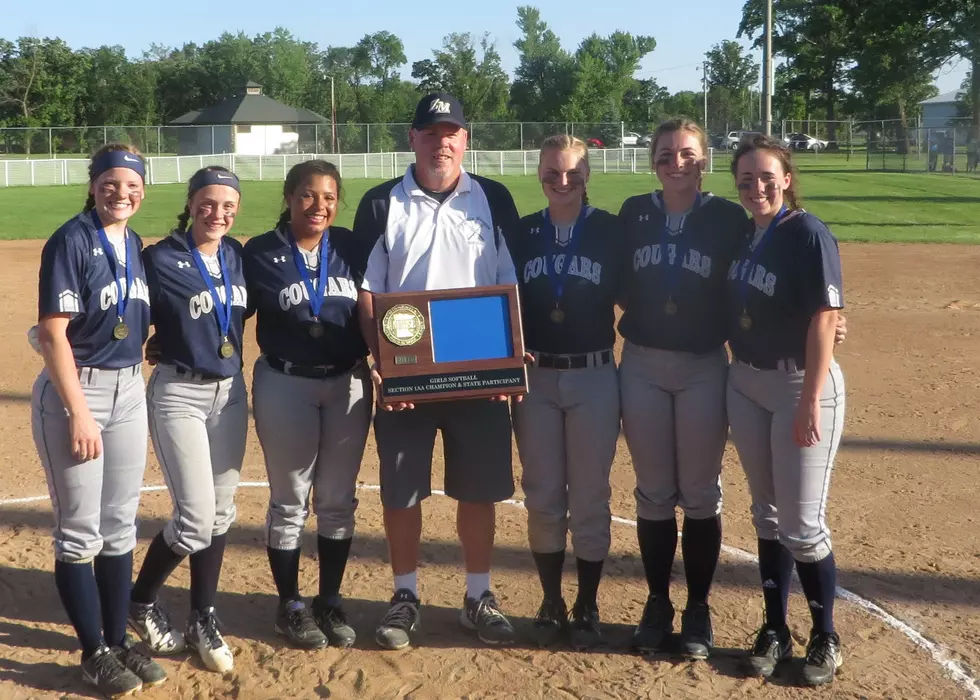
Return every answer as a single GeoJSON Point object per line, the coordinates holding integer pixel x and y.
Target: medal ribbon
{"type": "Point", "coordinates": [316, 294]}
{"type": "Point", "coordinates": [553, 250]}
{"type": "Point", "coordinates": [672, 273]}
{"type": "Point", "coordinates": [222, 309]}
{"type": "Point", "coordinates": [743, 284]}
{"type": "Point", "coordinates": [110, 254]}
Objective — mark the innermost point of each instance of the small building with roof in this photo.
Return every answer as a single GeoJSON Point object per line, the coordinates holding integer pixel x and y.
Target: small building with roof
{"type": "Point", "coordinates": [249, 123]}
{"type": "Point", "coordinates": [942, 110]}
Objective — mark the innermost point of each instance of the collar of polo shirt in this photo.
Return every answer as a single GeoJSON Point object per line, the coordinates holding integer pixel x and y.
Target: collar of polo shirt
{"type": "Point", "coordinates": [463, 185]}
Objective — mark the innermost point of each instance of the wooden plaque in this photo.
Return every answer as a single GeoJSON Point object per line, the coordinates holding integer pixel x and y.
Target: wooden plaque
{"type": "Point", "coordinates": [450, 344]}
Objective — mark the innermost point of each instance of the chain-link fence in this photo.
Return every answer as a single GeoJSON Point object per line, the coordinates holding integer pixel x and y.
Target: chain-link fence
{"type": "Point", "coordinates": [278, 139]}
{"type": "Point", "coordinates": [950, 148]}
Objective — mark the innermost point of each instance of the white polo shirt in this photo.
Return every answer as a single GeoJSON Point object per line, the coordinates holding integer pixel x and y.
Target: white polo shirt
{"type": "Point", "coordinates": [426, 245]}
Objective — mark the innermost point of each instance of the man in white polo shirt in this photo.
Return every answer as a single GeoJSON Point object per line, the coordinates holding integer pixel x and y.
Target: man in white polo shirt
{"type": "Point", "coordinates": [438, 227]}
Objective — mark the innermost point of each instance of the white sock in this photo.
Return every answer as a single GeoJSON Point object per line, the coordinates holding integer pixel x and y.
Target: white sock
{"type": "Point", "coordinates": [409, 581]}
{"type": "Point", "coordinates": [477, 585]}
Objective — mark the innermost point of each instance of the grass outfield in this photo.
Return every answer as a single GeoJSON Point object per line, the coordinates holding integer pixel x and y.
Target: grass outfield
{"type": "Point", "coordinates": [858, 206]}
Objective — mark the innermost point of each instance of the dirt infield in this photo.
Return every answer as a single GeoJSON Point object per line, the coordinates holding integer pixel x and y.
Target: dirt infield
{"type": "Point", "coordinates": [902, 510]}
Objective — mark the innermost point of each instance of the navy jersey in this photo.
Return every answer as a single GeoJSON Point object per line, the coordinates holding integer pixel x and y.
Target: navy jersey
{"type": "Point", "coordinates": [691, 273]}
{"type": "Point", "coordinates": [184, 316]}
{"type": "Point", "coordinates": [278, 297]}
{"type": "Point", "coordinates": [591, 283]}
{"type": "Point", "coordinates": [76, 278]}
{"type": "Point", "coordinates": [797, 273]}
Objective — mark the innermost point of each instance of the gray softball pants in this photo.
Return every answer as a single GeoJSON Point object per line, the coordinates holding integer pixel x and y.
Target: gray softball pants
{"type": "Point", "coordinates": [789, 484]}
{"type": "Point", "coordinates": [566, 430]}
{"type": "Point", "coordinates": [198, 428]}
{"type": "Point", "coordinates": [676, 428]}
{"type": "Point", "coordinates": [94, 502]}
{"type": "Point", "coordinates": [312, 433]}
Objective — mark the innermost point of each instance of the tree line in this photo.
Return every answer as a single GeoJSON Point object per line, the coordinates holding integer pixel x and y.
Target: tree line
{"type": "Point", "coordinates": [863, 59]}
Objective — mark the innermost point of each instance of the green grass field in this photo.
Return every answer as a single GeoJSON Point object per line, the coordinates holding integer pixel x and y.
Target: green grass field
{"type": "Point", "coordinates": [858, 205]}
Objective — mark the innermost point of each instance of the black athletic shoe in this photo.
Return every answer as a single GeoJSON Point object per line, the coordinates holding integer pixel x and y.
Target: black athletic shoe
{"type": "Point", "coordinates": [332, 621]}
{"type": "Point", "coordinates": [485, 618]}
{"type": "Point", "coordinates": [697, 637]}
{"type": "Point", "coordinates": [136, 657]}
{"type": "Point", "coordinates": [772, 647]}
{"type": "Point", "coordinates": [655, 626]}
{"type": "Point", "coordinates": [823, 658]}
{"type": "Point", "coordinates": [550, 623]}
{"type": "Point", "coordinates": [399, 622]}
{"type": "Point", "coordinates": [106, 672]}
{"type": "Point", "coordinates": [295, 622]}
{"type": "Point", "coordinates": [584, 630]}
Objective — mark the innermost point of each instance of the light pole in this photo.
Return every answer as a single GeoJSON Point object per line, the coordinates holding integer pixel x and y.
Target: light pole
{"type": "Point", "coordinates": [767, 70]}
{"type": "Point", "coordinates": [704, 87]}
{"type": "Point", "coordinates": [333, 120]}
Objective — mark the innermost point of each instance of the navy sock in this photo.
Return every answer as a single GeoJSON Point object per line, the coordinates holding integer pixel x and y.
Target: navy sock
{"type": "Point", "coordinates": [333, 562]}
{"type": "Point", "coordinates": [159, 562]}
{"type": "Point", "coordinates": [701, 547]}
{"type": "Point", "coordinates": [589, 575]}
{"type": "Point", "coordinates": [205, 570]}
{"type": "Point", "coordinates": [80, 596]}
{"type": "Point", "coordinates": [285, 571]}
{"type": "Point", "coordinates": [775, 569]}
{"type": "Point", "coordinates": [819, 581]}
{"type": "Point", "coordinates": [550, 565]}
{"type": "Point", "coordinates": [658, 543]}
{"type": "Point", "coordinates": [114, 576]}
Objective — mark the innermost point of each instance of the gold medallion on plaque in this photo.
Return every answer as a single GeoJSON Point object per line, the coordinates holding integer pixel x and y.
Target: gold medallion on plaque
{"type": "Point", "coordinates": [403, 325]}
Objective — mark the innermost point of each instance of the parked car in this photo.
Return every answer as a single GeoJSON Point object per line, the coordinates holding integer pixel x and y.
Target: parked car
{"type": "Point", "coordinates": [804, 142]}
{"type": "Point", "coordinates": [730, 141]}
{"type": "Point", "coordinates": [595, 143]}
{"type": "Point", "coordinates": [631, 138]}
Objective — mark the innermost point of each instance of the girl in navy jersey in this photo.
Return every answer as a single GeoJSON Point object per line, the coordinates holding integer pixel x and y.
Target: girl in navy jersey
{"type": "Point", "coordinates": [311, 391]}
{"type": "Point", "coordinates": [567, 426]}
{"type": "Point", "coordinates": [680, 242]}
{"type": "Point", "coordinates": [198, 410]}
{"type": "Point", "coordinates": [786, 399]}
{"type": "Point", "coordinates": [88, 414]}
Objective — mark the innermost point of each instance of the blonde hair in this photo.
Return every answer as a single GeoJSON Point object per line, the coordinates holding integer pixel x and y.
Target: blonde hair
{"type": "Point", "coordinates": [90, 202]}
{"type": "Point", "coordinates": [564, 142]}
{"type": "Point", "coordinates": [671, 126]}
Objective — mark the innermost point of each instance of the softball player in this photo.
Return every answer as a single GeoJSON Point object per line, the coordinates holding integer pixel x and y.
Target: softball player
{"type": "Point", "coordinates": [311, 392]}
{"type": "Point", "coordinates": [786, 399]}
{"type": "Point", "coordinates": [568, 425]}
{"type": "Point", "coordinates": [88, 414]}
{"type": "Point", "coordinates": [198, 410]}
{"type": "Point", "coordinates": [680, 242]}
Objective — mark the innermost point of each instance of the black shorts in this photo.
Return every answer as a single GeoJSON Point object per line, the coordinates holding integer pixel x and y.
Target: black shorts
{"type": "Point", "coordinates": [476, 439]}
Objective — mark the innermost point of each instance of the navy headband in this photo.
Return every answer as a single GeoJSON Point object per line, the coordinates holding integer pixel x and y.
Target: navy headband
{"type": "Point", "coordinates": [118, 159]}
{"type": "Point", "coordinates": [204, 178]}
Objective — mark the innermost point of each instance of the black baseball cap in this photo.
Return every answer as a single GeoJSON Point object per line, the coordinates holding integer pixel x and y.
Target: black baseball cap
{"type": "Point", "coordinates": [438, 107]}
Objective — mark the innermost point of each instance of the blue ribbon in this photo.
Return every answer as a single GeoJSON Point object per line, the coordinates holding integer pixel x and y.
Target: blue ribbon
{"type": "Point", "coordinates": [110, 253]}
{"type": "Point", "coordinates": [672, 273]}
{"type": "Point", "coordinates": [222, 309]}
{"type": "Point", "coordinates": [743, 282]}
{"type": "Point", "coordinates": [316, 294]}
{"type": "Point", "coordinates": [554, 250]}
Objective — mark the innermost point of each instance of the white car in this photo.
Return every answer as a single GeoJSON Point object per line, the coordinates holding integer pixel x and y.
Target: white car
{"type": "Point", "coordinates": [804, 142]}
{"type": "Point", "coordinates": [631, 138]}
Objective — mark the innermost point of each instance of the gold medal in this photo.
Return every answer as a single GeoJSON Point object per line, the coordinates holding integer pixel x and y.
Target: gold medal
{"type": "Point", "coordinates": [226, 349]}
{"type": "Point", "coordinates": [670, 308]}
{"type": "Point", "coordinates": [745, 322]}
{"type": "Point", "coordinates": [557, 316]}
{"type": "Point", "coordinates": [316, 330]}
{"type": "Point", "coordinates": [120, 331]}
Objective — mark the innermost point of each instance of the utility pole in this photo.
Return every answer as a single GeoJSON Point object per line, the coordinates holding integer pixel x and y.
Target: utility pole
{"type": "Point", "coordinates": [333, 120]}
{"type": "Point", "coordinates": [704, 85]}
{"type": "Point", "coordinates": [767, 71]}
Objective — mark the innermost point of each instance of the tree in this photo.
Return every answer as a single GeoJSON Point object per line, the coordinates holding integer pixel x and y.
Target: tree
{"type": "Point", "coordinates": [731, 76]}
{"type": "Point", "coordinates": [644, 103]}
{"type": "Point", "coordinates": [544, 78]}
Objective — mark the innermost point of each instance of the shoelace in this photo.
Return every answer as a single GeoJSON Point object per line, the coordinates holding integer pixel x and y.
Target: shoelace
{"type": "Point", "coordinates": [550, 613]}
{"type": "Point", "coordinates": [302, 620]}
{"type": "Point", "coordinates": [585, 617]}
{"type": "Point", "coordinates": [108, 665]}
{"type": "Point", "coordinates": [763, 639]}
{"type": "Point", "coordinates": [159, 617]}
{"type": "Point", "coordinates": [209, 628]}
{"type": "Point", "coordinates": [400, 615]}
{"type": "Point", "coordinates": [487, 612]}
{"type": "Point", "coordinates": [653, 613]}
{"type": "Point", "coordinates": [819, 650]}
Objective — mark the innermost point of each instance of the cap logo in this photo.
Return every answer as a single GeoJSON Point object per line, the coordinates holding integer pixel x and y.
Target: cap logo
{"type": "Point", "coordinates": [439, 107]}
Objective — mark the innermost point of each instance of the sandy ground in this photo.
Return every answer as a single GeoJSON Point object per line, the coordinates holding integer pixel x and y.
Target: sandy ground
{"type": "Point", "coordinates": [902, 511]}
